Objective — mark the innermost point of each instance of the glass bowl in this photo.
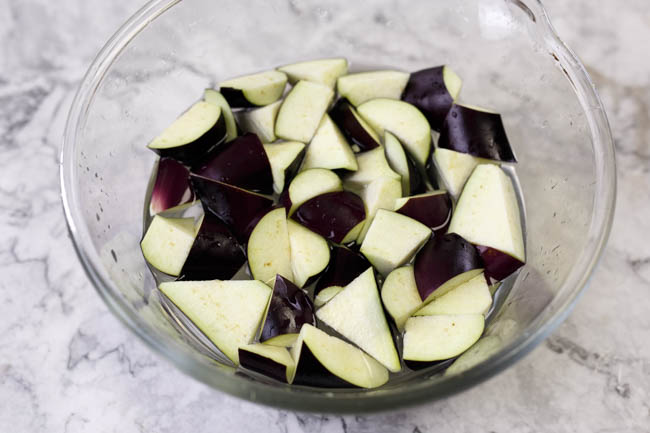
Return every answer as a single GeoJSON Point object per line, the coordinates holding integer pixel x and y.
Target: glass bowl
{"type": "Point", "coordinates": [162, 58]}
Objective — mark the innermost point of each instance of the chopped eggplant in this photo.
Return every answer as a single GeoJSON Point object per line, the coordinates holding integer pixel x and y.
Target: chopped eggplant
{"type": "Point", "coordinates": [302, 111]}
{"type": "Point", "coordinates": [285, 159]}
{"type": "Point", "coordinates": [372, 166]}
{"type": "Point", "coordinates": [214, 97]}
{"type": "Point", "coordinates": [329, 149]}
{"type": "Point", "coordinates": [269, 251]}
{"type": "Point", "coordinates": [455, 168]}
{"type": "Point", "coordinates": [172, 186]}
{"type": "Point", "coordinates": [290, 308]}
{"type": "Point", "coordinates": [254, 90]}
{"type": "Point", "coordinates": [345, 265]}
{"type": "Point", "coordinates": [402, 163]}
{"type": "Point", "coordinates": [322, 71]}
{"type": "Point", "coordinates": [472, 297]}
{"type": "Point", "coordinates": [400, 295]}
{"type": "Point", "coordinates": [433, 209]}
{"type": "Point", "coordinates": [379, 194]}
{"type": "Point", "coordinates": [310, 253]}
{"type": "Point", "coordinates": [168, 242]}
{"type": "Point", "coordinates": [260, 121]}
{"type": "Point", "coordinates": [364, 86]}
{"type": "Point", "coordinates": [498, 265]}
{"type": "Point", "coordinates": [308, 184]}
{"type": "Point", "coordinates": [353, 127]}
{"type": "Point", "coordinates": [272, 361]}
{"type": "Point", "coordinates": [325, 295]}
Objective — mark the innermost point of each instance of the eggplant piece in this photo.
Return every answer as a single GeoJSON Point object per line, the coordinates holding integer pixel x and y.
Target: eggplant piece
{"type": "Point", "coordinates": [227, 312]}
{"type": "Point", "coordinates": [353, 127]}
{"type": "Point", "coordinates": [433, 91]}
{"type": "Point", "coordinates": [328, 362]}
{"type": "Point", "coordinates": [260, 121]}
{"type": "Point", "coordinates": [214, 97]}
{"type": "Point", "coordinates": [329, 149]}
{"type": "Point", "coordinates": [172, 186]}
{"type": "Point", "coordinates": [302, 111]}
{"type": "Point", "coordinates": [364, 86]}
{"type": "Point", "coordinates": [433, 209]}
{"type": "Point", "coordinates": [272, 361]}
{"type": "Point", "coordinates": [238, 208]}
{"type": "Point", "coordinates": [441, 337]}
{"type": "Point", "coordinates": [455, 168]}
{"type": "Point", "coordinates": [215, 253]}
{"type": "Point", "coordinates": [379, 194]}
{"type": "Point", "coordinates": [254, 90]}
{"type": "Point", "coordinates": [392, 240]}
{"type": "Point", "coordinates": [325, 295]}
{"type": "Point", "coordinates": [487, 212]}
{"type": "Point", "coordinates": [269, 251]}
{"type": "Point", "coordinates": [345, 265]}
{"type": "Point", "coordinates": [310, 253]}
{"type": "Point", "coordinates": [322, 71]}
{"type": "Point", "coordinates": [357, 314]}
{"type": "Point", "coordinates": [401, 162]}
{"type": "Point", "coordinates": [192, 135]}
{"type": "Point", "coordinates": [309, 184]}
{"type": "Point", "coordinates": [289, 310]}
{"type": "Point", "coordinates": [337, 216]}
{"type": "Point", "coordinates": [400, 295]}
{"type": "Point", "coordinates": [241, 162]}
{"type": "Point", "coordinates": [282, 340]}
{"type": "Point", "coordinates": [168, 242]}
{"type": "Point", "coordinates": [485, 347]}
{"type": "Point", "coordinates": [372, 166]}
{"type": "Point", "coordinates": [472, 297]}
{"type": "Point", "coordinates": [285, 159]}
{"type": "Point", "coordinates": [403, 120]}
{"type": "Point", "coordinates": [498, 265]}
{"type": "Point", "coordinates": [476, 132]}
{"type": "Point", "coordinates": [444, 263]}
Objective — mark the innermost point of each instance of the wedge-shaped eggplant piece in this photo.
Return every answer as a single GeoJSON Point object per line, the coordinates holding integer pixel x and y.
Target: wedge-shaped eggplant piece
{"type": "Point", "coordinates": [433, 91]}
{"type": "Point", "coordinates": [445, 262]}
{"type": "Point", "coordinates": [260, 121]}
{"type": "Point", "coordinates": [329, 149]}
{"type": "Point", "coordinates": [402, 163]}
{"type": "Point", "coordinates": [403, 120]}
{"type": "Point", "coordinates": [302, 111]}
{"type": "Point", "coordinates": [290, 308]}
{"type": "Point", "coordinates": [310, 253]}
{"type": "Point", "coordinates": [337, 216]}
{"type": "Point", "coordinates": [433, 209]}
{"type": "Point", "coordinates": [364, 86]}
{"type": "Point", "coordinates": [215, 253]}
{"type": "Point", "coordinates": [472, 297]}
{"type": "Point", "coordinates": [392, 240]}
{"type": "Point", "coordinates": [269, 251]}
{"type": "Point", "coordinates": [308, 184]}
{"type": "Point", "coordinates": [285, 159]}
{"type": "Point", "coordinates": [172, 186]}
{"type": "Point", "coordinates": [487, 212]}
{"type": "Point", "coordinates": [282, 340]}
{"type": "Point", "coordinates": [227, 312]}
{"type": "Point", "coordinates": [322, 71]}
{"type": "Point", "coordinates": [238, 208]}
{"type": "Point", "coordinates": [356, 313]}
{"type": "Point", "coordinates": [241, 162]}
{"type": "Point", "coordinates": [372, 166]}
{"type": "Point", "coordinates": [400, 295]}
{"type": "Point", "coordinates": [354, 128]}
{"type": "Point", "coordinates": [345, 265]}
{"type": "Point", "coordinates": [214, 97]}
{"type": "Point", "coordinates": [328, 362]}
{"type": "Point", "coordinates": [325, 295]}
{"type": "Point", "coordinates": [254, 90]}
{"type": "Point", "coordinates": [379, 194]}
{"type": "Point", "coordinates": [272, 361]}
{"type": "Point", "coordinates": [192, 135]}
{"type": "Point", "coordinates": [477, 132]}
{"type": "Point", "coordinates": [485, 347]}
{"type": "Point", "coordinates": [498, 265]}
{"type": "Point", "coordinates": [167, 243]}
{"type": "Point", "coordinates": [455, 168]}
{"type": "Point", "coordinates": [436, 338]}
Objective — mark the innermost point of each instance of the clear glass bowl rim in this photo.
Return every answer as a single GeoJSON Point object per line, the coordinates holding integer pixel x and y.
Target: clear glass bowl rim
{"type": "Point", "coordinates": [602, 217]}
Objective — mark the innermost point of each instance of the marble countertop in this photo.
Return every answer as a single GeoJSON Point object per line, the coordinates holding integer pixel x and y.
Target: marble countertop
{"type": "Point", "coordinates": [67, 365]}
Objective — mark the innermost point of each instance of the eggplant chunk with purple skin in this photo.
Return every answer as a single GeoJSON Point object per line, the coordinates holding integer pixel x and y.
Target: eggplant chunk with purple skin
{"type": "Point", "coordinates": [269, 250]}
{"type": "Point", "coordinates": [302, 111]}
{"type": "Point", "coordinates": [260, 121]}
{"type": "Point", "coordinates": [454, 168]}
{"type": "Point", "coordinates": [433, 209]}
{"type": "Point", "coordinates": [326, 295]}
{"type": "Point", "coordinates": [214, 97]}
{"type": "Point", "coordinates": [322, 71]}
{"type": "Point", "coordinates": [172, 186]}
{"type": "Point", "coordinates": [329, 149]}
{"type": "Point", "coordinates": [400, 295]}
{"type": "Point", "coordinates": [168, 242]}
{"type": "Point", "coordinates": [310, 253]}
{"type": "Point", "coordinates": [345, 265]}
{"type": "Point", "coordinates": [379, 194]}
{"type": "Point", "coordinates": [364, 86]}
{"type": "Point", "coordinates": [308, 184]}
{"type": "Point", "coordinates": [354, 128]}
{"type": "Point", "coordinates": [472, 297]}
{"type": "Point", "coordinates": [372, 166]}
{"type": "Point", "coordinates": [272, 361]}
{"type": "Point", "coordinates": [285, 159]}
{"type": "Point", "coordinates": [402, 163]}
{"type": "Point", "coordinates": [254, 90]}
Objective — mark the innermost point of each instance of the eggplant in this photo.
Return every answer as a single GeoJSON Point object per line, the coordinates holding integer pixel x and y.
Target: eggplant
{"type": "Point", "coordinates": [214, 97]}
{"type": "Point", "coordinates": [308, 184]}
{"type": "Point", "coordinates": [498, 265]}
{"type": "Point", "coordinates": [289, 310]}
{"type": "Point", "coordinates": [400, 295]}
{"type": "Point", "coordinates": [433, 209]}
{"type": "Point", "coordinates": [353, 127]}
{"type": "Point", "coordinates": [454, 168]}
{"type": "Point", "coordinates": [227, 312]}
{"type": "Point", "coordinates": [241, 162]}
{"type": "Point", "coordinates": [392, 240]}
{"type": "Point", "coordinates": [325, 295]}
{"type": "Point", "coordinates": [357, 314]}
{"type": "Point", "coordinates": [260, 121]}
{"type": "Point", "coordinates": [364, 86]}
{"type": "Point", "coordinates": [472, 297]}
{"type": "Point", "coordinates": [345, 265]}
{"type": "Point", "coordinates": [402, 163]}
{"type": "Point", "coordinates": [476, 132]}
{"type": "Point", "coordinates": [272, 361]}
{"type": "Point", "coordinates": [379, 194]}
{"type": "Point", "coordinates": [337, 216]}
{"type": "Point", "coordinates": [269, 251]}
{"type": "Point", "coordinates": [434, 366]}
{"type": "Point", "coordinates": [433, 91]}
{"type": "Point", "coordinates": [168, 242]}
{"type": "Point", "coordinates": [285, 159]}
{"type": "Point", "coordinates": [372, 166]}
{"type": "Point", "coordinates": [443, 263]}
{"type": "Point", "coordinates": [238, 208]}
{"type": "Point", "coordinates": [172, 186]}
{"type": "Point", "coordinates": [197, 131]}
{"type": "Point", "coordinates": [329, 149]}
{"type": "Point", "coordinates": [254, 90]}
{"type": "Point", "coordinates": [310, 253]}
{"type": "Point", "coordinates": [322, 71]}
{"type": "Point", "coordinates": [302, 110]}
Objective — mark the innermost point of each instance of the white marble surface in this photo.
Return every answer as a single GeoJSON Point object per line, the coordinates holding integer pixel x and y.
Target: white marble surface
{"type": "Point", "coordinates": [67, 365]}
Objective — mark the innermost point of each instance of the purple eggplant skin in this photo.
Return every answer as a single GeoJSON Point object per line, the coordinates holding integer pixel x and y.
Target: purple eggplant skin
{"type": "Point", "coordinates": [498, 265]}
{"type": "Point", "coordinates": [432, 172]}
{"type": "Point", "coordinates": [284, 200]}
{"type": "Point", "coordinates": [215, 255]}
{"type": "Point", "coordinates": [477, 133]}
{"type": "Point", "coordinates": [417, 184]}
{"type": "Point", "coordinates": [235, 98]}
{"type": "Point", "coordinates": [310, 372]}
{"type": "Point", "coordinates": [427, 91]}
{"type": "Point", "coordinates": [241, 162]}
{"type": "Point", "coordinates": [194, 151]}
{"type": "Point", "coordinates": [289, 309]}
{"type": "Point", "coordinates": [342, 115]}
{"type": "Point", "coordinates": [441, 259]}
{"type": "Point", "coordinates": [331, 215]}
{"type": "Point", "coordinates": [345, 265]}
{"type": "Point", "coordinates": [237, 208]}
{"type": "Point", "coordinates": [435, 366]}
{"type": "Point", "coordinates": [434, 211]}
{"type": "Point", "coordinates": [172, 186]}
{"type": "Point", "coordinates": [292, 170]}
{"type": "Point", "coordinates": [263, 365]}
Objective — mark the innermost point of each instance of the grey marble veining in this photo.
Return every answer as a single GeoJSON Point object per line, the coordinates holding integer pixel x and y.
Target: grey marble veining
{"type": "Point", "coordinates": [67, 365]}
